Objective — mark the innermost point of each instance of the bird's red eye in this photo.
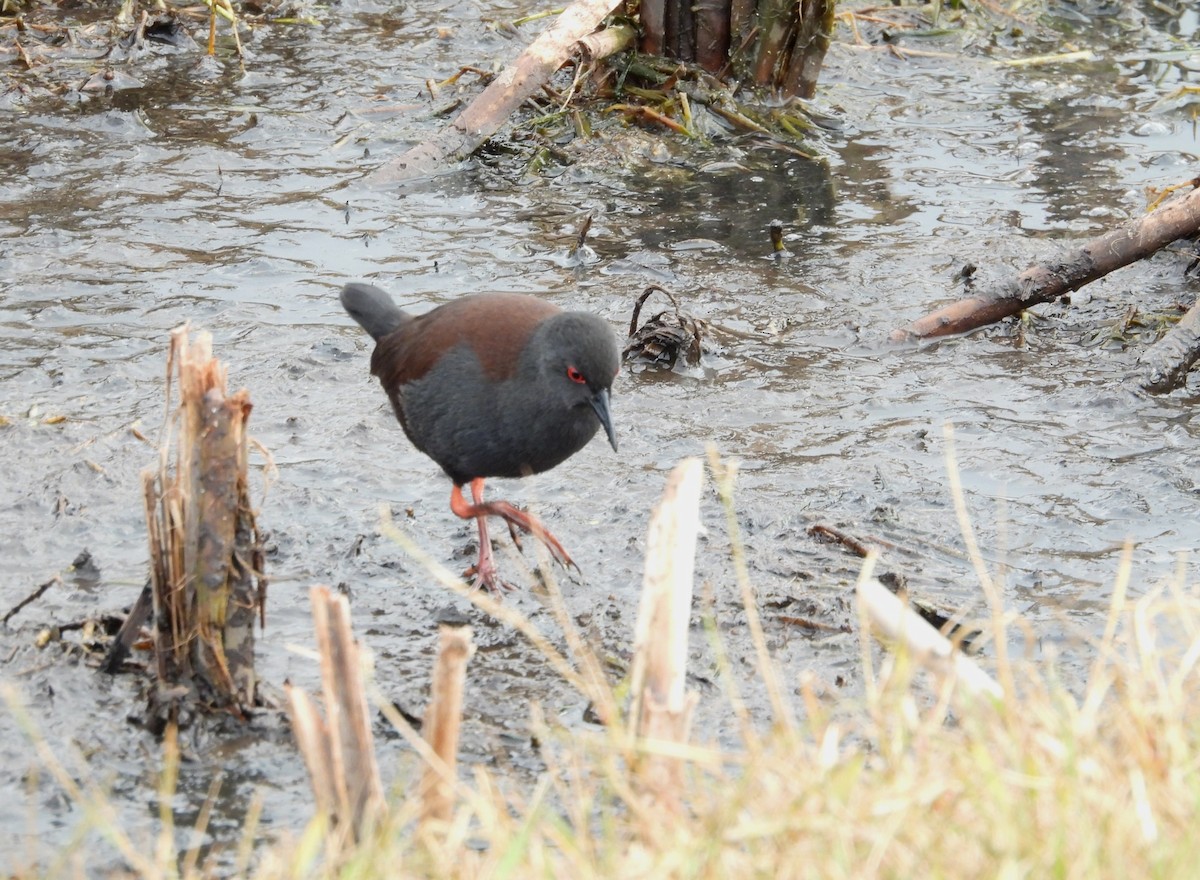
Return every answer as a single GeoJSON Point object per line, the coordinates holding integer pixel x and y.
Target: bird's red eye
{"type": "Point", "coordinates": [575, 376]}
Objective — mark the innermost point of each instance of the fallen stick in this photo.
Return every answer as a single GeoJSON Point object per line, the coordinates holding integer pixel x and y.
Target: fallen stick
{"type": "Point", "coordinates": [1049, 280]}
{"type": "Point", "coordinates": [32, 597]}
{"type": "Point", "coordinates": [483, 117]}
{"type": "Point", "coordinates": [1166, 363]}
{"type": "Point", "coordinates": [123, 642]}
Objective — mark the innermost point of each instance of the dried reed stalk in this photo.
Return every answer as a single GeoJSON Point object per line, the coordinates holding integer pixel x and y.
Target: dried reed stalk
{"type": "Point", "coordinates": [443, 720]}
{"type": "Point", "coordinates": [662, 708]}
{"type": "Point", "coordinates": [338, 750]}
{"type": "Point", "coordinates": [205, 558]}
{"type": "Point", "coordinates": [898, 623]}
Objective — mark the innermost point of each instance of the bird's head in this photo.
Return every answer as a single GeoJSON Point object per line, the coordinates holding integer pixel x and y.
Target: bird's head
{"type": "Point", "coordinates": [579, 361]}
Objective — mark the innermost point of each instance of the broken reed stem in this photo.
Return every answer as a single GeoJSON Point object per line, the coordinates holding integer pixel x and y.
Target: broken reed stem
{"type": "Point", "coordinates": [814, 28]}
{"type": "Point", "coordinates": [313, 741]}
{"type": "Point", "coordinates": [776, 19]}
{"type": "Point", "coordinates": [443, 720]}
{"type": "Point", "coordinates": [891, 618]}
{"type": "Point", "coordinates": [601, 44]}
{"type": "Point", "coordinates": [662, 708]}
{"type": "Point", "coordinates": [360, 791]}
{"type": "Point", "coordinates": [712, 23]}
{"type": "Point", "coordinates": [339, 750]}
{"type": "Point", "coordinates": [206, 565]}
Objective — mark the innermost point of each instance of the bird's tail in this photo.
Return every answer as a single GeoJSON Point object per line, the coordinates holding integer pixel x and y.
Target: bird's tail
{"type": "Point", "coordinates": [372, 308]}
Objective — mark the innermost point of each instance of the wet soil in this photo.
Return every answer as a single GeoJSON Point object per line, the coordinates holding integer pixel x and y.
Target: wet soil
{"type": "Point", "coordinates": [231, 199]}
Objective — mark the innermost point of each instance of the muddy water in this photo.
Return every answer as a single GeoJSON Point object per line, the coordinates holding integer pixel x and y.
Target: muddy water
{"type": "Point", "coordinates": [231, 201]}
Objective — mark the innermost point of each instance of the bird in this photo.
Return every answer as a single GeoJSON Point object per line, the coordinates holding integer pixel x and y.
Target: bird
{"type": "Point", "coordinates": [492, 385]}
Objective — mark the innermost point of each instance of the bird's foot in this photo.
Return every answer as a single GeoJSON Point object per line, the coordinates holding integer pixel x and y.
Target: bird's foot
{"type": "Point", "coordinates": [485, 572]}
{"type": "Point", "coordinates": [490, 578]}
{"type": "Point", "coordinates": [517, 521]}
{"type": "Point", "coordinates": [522, 521]}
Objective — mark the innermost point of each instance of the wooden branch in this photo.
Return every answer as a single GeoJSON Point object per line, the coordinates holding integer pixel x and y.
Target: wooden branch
{"type": "Point", "coordinates": [1047, 281]}
{"type": "Point", "coordinates": [131, 628]}
{"type": "Point", "coordinates": [32, 597]}
{"type": "Point", "coordinates": [483, 117]}
{"type": "Point", "coordinates": [1165, 364]}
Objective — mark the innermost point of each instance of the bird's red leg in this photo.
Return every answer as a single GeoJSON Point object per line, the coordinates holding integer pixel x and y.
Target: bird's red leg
{"type": "Point", "coordinates": [527, 522]}
{"type": "Point", "coordinates": [486, 573]}
{"type": "Point", "coordinates": [477, 494]}
{"type": "Point", "coordinates": [515, 518]}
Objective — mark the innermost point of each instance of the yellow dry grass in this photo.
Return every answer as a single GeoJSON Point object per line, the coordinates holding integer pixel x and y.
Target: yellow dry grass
{"type": "Point", "coordinates": [1096, 779]}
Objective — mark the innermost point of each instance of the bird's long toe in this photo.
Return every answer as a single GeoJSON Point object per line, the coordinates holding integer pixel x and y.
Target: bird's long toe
{"type": "Point", "coordinates": [527, 522]}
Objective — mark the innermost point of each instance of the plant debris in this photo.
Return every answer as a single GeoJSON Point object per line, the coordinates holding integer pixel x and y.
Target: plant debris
{"type": "Point", "coordinates": [661, 340]}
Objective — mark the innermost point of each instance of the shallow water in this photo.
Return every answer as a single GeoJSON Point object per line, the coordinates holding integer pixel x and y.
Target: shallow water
{"type": "Point", "coordinates": [233, 202]}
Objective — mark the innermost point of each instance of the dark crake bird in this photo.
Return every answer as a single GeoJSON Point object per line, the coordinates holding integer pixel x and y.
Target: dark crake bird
{"type": "Point", "coordinates": [492, 385]}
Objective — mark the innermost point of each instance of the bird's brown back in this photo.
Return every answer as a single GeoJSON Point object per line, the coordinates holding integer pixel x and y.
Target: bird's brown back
{"type": "Point", "coordinates": [496, 326]}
